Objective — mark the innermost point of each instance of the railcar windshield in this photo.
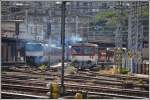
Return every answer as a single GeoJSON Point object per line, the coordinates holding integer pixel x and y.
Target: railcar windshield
{"type": "Point", "coordinates": [34, 47]}
{"type": "Point", "coordinates": [84, 50]}
{"type": "Point", "coordinates": [76, 50]}
{"type": "Point", "coordinates": [88, 50]}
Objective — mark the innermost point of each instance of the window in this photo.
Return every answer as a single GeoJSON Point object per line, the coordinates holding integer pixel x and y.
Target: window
{"type": "Point", "coordinates": [34, 47]}
{"type": "Point", "coordinates": [81, 3]}
{"type": "Point", "coordinates": [104, 5]}
{"type": "Point", "coordinates": [85, 3]}
{"type": "Point", "coordinates": [76, 50]}
{"type": "Point", "coordinates": [88, 50]}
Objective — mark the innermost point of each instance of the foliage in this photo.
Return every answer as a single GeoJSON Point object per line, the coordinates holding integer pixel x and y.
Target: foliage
{"type": "Point", "coordinates": [112, 21]}
{"type": "Point", "coordinates": [43, 67]}
{"type": "Point", "coordinates": [145, 11]}
{"type": "Point", "coordinates": [123, 70]}
{"type": "Point", "coordinates": [106, 14]}
{"type": "Point", "coordinates": [110, 16]}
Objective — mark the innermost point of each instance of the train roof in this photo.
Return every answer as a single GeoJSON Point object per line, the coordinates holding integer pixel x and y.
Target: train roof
{"type": "Point", "coordinates": [85, 44]}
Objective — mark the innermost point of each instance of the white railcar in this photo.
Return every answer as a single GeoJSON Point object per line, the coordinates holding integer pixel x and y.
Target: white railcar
{"type": "Point", "coordinates": [84, 55]}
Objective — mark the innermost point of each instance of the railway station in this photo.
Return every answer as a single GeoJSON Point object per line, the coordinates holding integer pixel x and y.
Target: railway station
{"type": "Point", "coordinates": [75, 49]}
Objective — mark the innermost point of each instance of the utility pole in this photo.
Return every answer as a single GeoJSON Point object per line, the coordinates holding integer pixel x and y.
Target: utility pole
{"type": "Point", "coordinates": [17, 33]}
{"type": "Point", "coordinates": [49, 39]}
{"type": "Point", "coordinates": [63, 8]}
{"type": "Point", "coordinates": [76, 27]}
{"type": "Point", "coordinates": [26, 22]}
{"type": "Point", "coordinates": [26, 17]}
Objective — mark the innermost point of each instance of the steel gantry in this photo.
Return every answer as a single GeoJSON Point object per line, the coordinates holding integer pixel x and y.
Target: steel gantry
{"type": "Point", "coordinates": [135, 34]}
{"type": "Point", "coordinates": [118, 35]}
{"type": "Point", "coordinates": [119, 54]}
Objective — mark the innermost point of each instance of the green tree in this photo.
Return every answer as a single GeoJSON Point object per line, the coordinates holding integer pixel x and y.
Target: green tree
{"type": "Point", "coordinates": [110, 16]}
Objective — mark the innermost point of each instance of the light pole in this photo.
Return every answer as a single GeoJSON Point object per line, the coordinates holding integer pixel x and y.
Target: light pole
{"type": "Point", "coordinates": [63, 8]}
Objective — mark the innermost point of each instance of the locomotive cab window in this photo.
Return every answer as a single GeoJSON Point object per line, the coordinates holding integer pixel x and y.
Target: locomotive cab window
{"type": "Point", "coordinates": [34, 47]}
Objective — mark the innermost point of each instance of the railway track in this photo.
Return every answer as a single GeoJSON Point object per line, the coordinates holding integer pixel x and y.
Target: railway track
{"type": "Point", "coordinates": [91, 77]}
{"type": "Point", "coordinates": [10, 95]}
{"type": "Point", "coordinates": [78, 78]}
{"type": "Point", "coordinates": [34, 86]}
{"type": "Point", "coordinates": [26, 77]}
{"type": "Point", "coordinates": [108, 95]}
{"type": "Point", "coordinates": [129, 92]}
{"type": "Point", "coordinates": [25, 82]}
{"type": "Point", "coordinates": [30, 72]}
{"type": "Point", "coordinates": [95, 75]}
{"type": "Point", "coordinates": [24, 88]}
{"type": "Point", "coordinates": [73, 88]}
{"type": "Point", "coordinates": [101, 86]}
{"type": "Point", "coordinates": [85, 79]}
{"type": "Point", "coordinates": [92, 74]}
{"type": "Point", "coordinates": [102, 80]}
{"type": "Point", "coordinates": [118, 76]}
